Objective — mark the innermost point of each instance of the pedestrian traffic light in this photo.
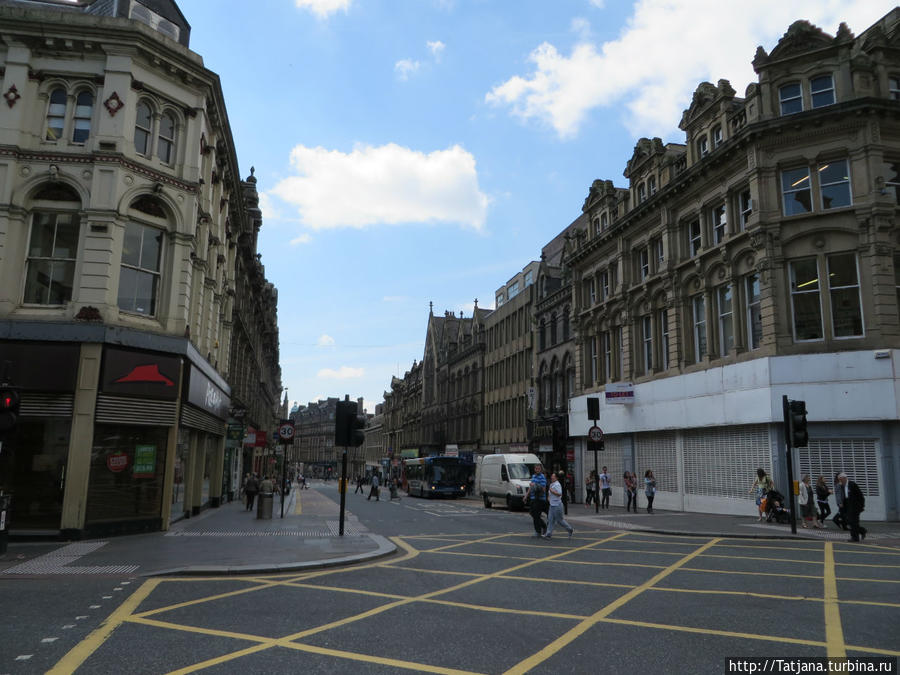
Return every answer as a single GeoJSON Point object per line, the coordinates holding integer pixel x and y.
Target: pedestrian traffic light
{"type": "Point", "coordinates": [348, 425]}
{"type": "Point", "coordinates": [9, 408]}
{"type": "Point", "coordinates": [799, 434]}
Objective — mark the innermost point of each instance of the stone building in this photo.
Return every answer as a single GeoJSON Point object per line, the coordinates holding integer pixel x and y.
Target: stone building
{"type": "Point", "coordinates": [758, 259]}
{"type": "Point", "coordinates": [508, 363]}
{"type": "Point", "coordinates": [554, 353]}
{"type": "Point", "coordinates": [403, 414]}
{"type": "Point", "coordinates": [125, 243]}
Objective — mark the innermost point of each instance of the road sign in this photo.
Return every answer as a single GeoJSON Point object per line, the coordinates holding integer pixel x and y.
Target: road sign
{"type": "Point", "coordinates": [595, 434]}
{"type": "Point", "coordinates": [286, 432]}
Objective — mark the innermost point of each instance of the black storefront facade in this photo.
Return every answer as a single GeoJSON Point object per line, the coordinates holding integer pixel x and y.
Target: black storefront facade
{"type": "Point", "coordinates": [550, 441]}
{"type": "Point", "coordinates": [97, 446]}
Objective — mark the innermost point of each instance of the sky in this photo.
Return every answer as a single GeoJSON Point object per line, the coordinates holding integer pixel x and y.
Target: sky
{"type": "Point", "coordinates": [417, 151]}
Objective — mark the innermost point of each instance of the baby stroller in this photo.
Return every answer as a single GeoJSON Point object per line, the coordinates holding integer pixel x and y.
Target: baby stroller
{"type": "Point", "coordinates": [775, 508]}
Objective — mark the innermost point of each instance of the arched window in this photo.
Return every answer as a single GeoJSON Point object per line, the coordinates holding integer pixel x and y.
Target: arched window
{"type": "Point", "coordinates": [143, 128]}
{"type": "Point", "coordinates": [53, 248]}
{"type": "Point", "coordinates": [165, 148]}
{"type": "Point", "coordinates": [56, 115]}
{"type": "Point", "coordinates": [84, 111]}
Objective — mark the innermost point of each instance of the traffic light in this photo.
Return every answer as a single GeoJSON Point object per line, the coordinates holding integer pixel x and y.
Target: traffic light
{"type": "Point", "coordinates": [9, 408]}
{"type": "Point", "coordinates": [799, 434]}
{"type": "Point", "coordinates": [348, 425]}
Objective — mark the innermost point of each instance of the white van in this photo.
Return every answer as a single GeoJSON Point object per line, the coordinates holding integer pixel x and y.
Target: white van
{"type": "Point", "coordinates": [504, 478]}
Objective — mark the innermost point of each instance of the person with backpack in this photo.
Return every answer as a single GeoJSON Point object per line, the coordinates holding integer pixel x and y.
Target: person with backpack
{"type": "Point", "coordinates": [536, 492]}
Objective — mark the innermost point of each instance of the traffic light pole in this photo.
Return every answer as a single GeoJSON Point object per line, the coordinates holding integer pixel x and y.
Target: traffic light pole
{"type": "Point", "coordinates": [343, 488]}
{"type": "Point", "coordinates": [788, 441]}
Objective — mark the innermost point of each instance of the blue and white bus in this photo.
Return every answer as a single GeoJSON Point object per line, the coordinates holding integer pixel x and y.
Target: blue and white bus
{"type": "Point", "coordinates": [435, 477]}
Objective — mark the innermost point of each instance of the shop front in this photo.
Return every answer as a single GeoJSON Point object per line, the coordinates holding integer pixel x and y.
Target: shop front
{"type": "Point", "coordinates": [201, 439]}
{"type": "Point", "coordinates": [133, 441]}
{"type": "Point", "coordinates": [550, 442]}
{"type": "Point", "coordinates": [35, 453]}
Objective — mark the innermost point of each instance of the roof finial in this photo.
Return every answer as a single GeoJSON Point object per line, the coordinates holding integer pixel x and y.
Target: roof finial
{"type": "Point", "coordinates": [476, 304]}
{"type": "Point", "coordinates": [430, 307]}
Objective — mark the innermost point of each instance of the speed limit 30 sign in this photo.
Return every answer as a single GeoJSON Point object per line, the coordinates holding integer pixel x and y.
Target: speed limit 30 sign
{"type": "Point", "coordinates": [286, 431]}
{"type": "Point", "coordinates": [595, 434]}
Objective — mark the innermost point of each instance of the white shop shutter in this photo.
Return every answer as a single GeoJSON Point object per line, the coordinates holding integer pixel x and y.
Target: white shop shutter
{"type": "Point", "coordinates": [656, 451]}
{"type": "Point", "coordinates": [722, 462]}
{"type": "Point", "coordinates": [857, 457]}
{"type": "Point", "coordinates": [611, 458]}
{"type": "Point", "coordinates": [46, 405]}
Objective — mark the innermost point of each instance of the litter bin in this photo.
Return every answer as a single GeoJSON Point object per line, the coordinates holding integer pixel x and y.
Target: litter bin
{"type": "Point", "coordinates": [264, 505]}
{"type": "Point", "coordinates": [5, 504]}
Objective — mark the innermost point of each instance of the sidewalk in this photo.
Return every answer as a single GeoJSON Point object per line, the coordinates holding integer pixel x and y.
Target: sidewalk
{"type": "Point", "coordinates": [230, 540]}
{"type": "Point", "coordinates": [224, 540]}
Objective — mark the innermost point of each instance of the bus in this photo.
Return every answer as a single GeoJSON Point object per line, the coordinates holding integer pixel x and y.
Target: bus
{"type": "Point", "coordinates": [435, 477]}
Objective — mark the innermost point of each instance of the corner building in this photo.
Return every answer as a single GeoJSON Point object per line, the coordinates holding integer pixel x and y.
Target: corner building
{"type": "Point", "coordinates": [760, 258]}
{"type": "Point", "coordinates": [121, 216]}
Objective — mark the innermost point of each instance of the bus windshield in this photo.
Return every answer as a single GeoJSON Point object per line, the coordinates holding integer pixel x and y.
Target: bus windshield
{"type": "Point", "coordinates": [520, 471]}
{"type": "Point", "coordinates": [448, 473]}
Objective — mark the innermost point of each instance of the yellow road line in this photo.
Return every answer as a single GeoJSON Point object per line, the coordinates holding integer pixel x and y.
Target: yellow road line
{"type": "Point", "coordinates": [366, 658]}
{"type": "Point", "coordinates": [834, 633]}
{"type": "Point", "coordinates": [80, 652]}
{"type": "Point", "coordinates": [713, 631]}
{"type": "Point", "coordinates": [441, 549]}
{"type": "Point", "coordinates": [758, 574]}
{"type": "Point", "coordinates": [568, 637]}
{"type": "Point", "coordinates": [209, 598]}
{"type": "Point", "coordinates": [760, 558]}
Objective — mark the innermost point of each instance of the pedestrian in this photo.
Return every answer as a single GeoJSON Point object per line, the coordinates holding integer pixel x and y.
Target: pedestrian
{"type": "Point", "coordinates": [630, 482]}
{"type": "Point", "coordinates": [605, 489]}
{"type": "Point", "coordinates": [840, 518]}
{"type": "Point", "coordinates": [589, 490]}
{"type": "Point", "coordinates": [762, 486]}
{"type": "Point", "coordinates": [649, 489]}
{"type": "Point", "coordinates": [822, 493]}
{"type": "Point", "coordinates": [251, 490]}
{"type": "Point", "coordinates": [556, 515]}
{"type": "Point", "coordinates": [807, 501]}
{"type": "Point", "coordinates": [854, 505]}
{"type": "Point", "coordinates": [393, 488]}
{"type": "Point", "coordinates": [373, 491]}
{"type": "Point", "coordinates": [359, 485]}
{"type": "Point", "coordinates": [565, 493]}
{"type": "Point", "coordinates": [537, 493]}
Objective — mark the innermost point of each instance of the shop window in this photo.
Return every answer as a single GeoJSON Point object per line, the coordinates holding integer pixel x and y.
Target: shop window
{"type": "Point", "coordinates": [796, 191]}
{"type": "Point", "coordinates": [719, 223]}
{"type": "Point", "coordinates": [806, 305]}
{"type": "Point", "coordinates": [647, 343]}
{"type": "Point", "coordinates": [821, 90]}
{"type": "Point", "coordinates": [140, 270]}
{"type": "Point", "coordinates": [698, 310]}
{"type": "Point", "coordinates": [745, 206]}
{"type": "Point", "coordinates": [790, 97]}
{"type": "Point", "coordinates": [56, 115]}
{"type": "Point", "coordinates": [143, 128]}
{"type": "Point", "coordinates": [52, 253]}
{"type": "Point", "coordinates": [84, 111]}
{"type": "Point", "coordinates": [165, 148]}
{"type": "Point", "coordinates": [843, 286]}
{"type": "Point", "coordinates": [834, 182]}
{"type": "Point", "coordinates": [695, 237]}
{"type": "Point", "coordinates": [754, 311]}
{"type": "Point", "coordinates": [726, 319]}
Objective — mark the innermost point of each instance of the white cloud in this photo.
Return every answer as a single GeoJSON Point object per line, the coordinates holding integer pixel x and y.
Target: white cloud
{"type": "Point", "coordinates": [406, 67]}
{"type": "Point", "coordinates": [323, 8]}
{"type": "Point", "coordinates": [581, 27]}
{"type": "Point", "coordinates": [385, 184]}
{"type": "Point", "coordinates": [599, 4]}
{"type": "Point", "coordinates": [437, 48]}
{"type": "Point", "coordinates": [325, 341]}
{"type": "Point", "coordinates": [304, 238]}
{"type": "Point", "coordinates": [342, 373]}
{"type": "Point", "coordinates": [665, 50]}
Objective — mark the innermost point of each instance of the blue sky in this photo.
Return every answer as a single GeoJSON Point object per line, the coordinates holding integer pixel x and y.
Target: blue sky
{"type": "Point", "coordinates": [416, 151]}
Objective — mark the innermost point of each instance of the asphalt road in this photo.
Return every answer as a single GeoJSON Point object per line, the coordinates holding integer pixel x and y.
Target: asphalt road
{"type": "Point", "coordinates": [470, 591]}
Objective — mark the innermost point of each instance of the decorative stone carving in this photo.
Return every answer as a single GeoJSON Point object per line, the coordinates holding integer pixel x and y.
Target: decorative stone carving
{"type": "Point", "coordinates": [113, 104]}
{"type": "Point", "coordinates": [12, 95]}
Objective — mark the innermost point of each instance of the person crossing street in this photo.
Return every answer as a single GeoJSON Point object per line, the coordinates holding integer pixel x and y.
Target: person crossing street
{"type": "Point", "coordinates": [556, 515]}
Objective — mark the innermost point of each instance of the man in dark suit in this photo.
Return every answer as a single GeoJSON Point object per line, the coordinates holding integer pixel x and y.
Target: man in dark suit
{"type": "Point", "coordinates": [854, 504]}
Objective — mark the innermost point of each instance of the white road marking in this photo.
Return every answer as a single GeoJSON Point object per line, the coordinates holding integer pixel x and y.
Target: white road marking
{"type": "Point", "coordinates": [49, 639]}
{"type": "Point", "coordinates": [24, 657]}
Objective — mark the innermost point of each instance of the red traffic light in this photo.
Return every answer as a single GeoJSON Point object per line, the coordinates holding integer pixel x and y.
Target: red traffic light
{"type": "Point", "coordinates": [9, 408]}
